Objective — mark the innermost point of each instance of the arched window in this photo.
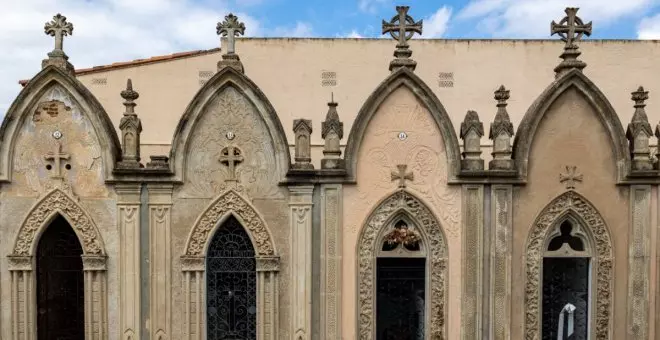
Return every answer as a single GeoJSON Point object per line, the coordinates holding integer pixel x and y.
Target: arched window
{"type": "Point", "coordinates": [231, 282]}
{"type": "Point", "coordinates": [567, 263]}
{"type": "Point", "coordinates": [401, 283]}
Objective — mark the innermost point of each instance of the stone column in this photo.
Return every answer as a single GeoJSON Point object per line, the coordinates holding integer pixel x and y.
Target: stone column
{"type": "Point", "coordinates": [160, 269]}
{"type": "Point", "coordinates": [501, 247]}
{"type": "Point", "coordinates": [128, 219]}
{"type": "Point", "coordinates": [96, 301]}
{"type": "Point", "coordinates": [268, 298]}
{"type": "Point", "coordinates": [331, 260]}
{"type": "Point", "coordinates": [193, 268]}
{"type": "Point", "coordinates": [300, 203]}
{"type": "Point", "coordinates": [639, 252]}
{"type": "Point", "coordinates": [24, 326]}
{"type": "Point", "coordinates": [473, 231]}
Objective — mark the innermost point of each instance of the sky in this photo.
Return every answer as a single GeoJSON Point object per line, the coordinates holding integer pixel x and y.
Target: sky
{"type": "Point", "coordinates": [107, 31]}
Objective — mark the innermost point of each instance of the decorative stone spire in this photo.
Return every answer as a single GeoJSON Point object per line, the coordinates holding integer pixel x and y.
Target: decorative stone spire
{"type": "Point", "coordinates": [402, 27]}
{"type": "Point", "coordinates": [230, 28]}
{"type": "Point", "coordinates": [639, 132]}
{"type": "Point", "coordinates": [471, 132]}
{"type": "Point", "coordinates": [332, 131]}
{"type": "Point", "coordinates": [58, 28]}
{"type": "Point", "coordinates": [501, 131]}
{"type": "Point", "coordinates": [570, 29]}
{"type": "Point", "coordinates": [303, 157]}
{"type": "Point", "coordinates": [131, 127]}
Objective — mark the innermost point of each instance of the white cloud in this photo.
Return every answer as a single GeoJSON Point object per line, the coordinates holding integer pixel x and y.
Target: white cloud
{"type": "Point", "coordinates": [649, 28]}
{"type": "Point", "coordinates": [302, 29]}
{"type": "Point", "coordinates": [435, 26]}
{"type": "Point", "coordinates": [531, 18]}
{"type": "Point", "coordinates": [354, 34]}
{"type": "Point", "coordinates": [370, 6]}
{"type": "Point", "coordinates": [105, 31]}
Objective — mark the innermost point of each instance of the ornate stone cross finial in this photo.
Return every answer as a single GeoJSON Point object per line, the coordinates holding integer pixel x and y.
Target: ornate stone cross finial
{"type": "Point", "coordinates": [230, 28]}
{"type": "Point", "coordinates": [131, 127]}
{"type": "Point", "coordinates": [58, 28]}
{"type": "Point", "coordinates": [571, 177]}
{"type": "Point", "coordinates": [402, 27]}
{"type": "Point", "coordinates": [56, 156]}
{"type": "Point", "coordinates": [401, 175]}
{"type": "Point", "coordinates": [570, 29]}
{"type": "Point", "coordinates": [231, 156]}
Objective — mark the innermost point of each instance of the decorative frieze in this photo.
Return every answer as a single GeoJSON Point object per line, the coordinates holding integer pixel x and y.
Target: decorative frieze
{"type": "Point", "coordinates": [639, 252]}
{"type": "Point", "coordinates": [331, 261]}
{"type": "Point", "coordinates": [160, 260]}
{"type": "Point", "coordinates": [300, 205]}
{"type": "Point", "coordinates": [501, 248]}
{"type": "Point", "coordinates": [472, 278]}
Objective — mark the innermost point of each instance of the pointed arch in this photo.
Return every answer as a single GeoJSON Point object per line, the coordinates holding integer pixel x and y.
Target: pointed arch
{"type": "Point", "coordinates": [228, 77]}
{"type": "Point", "coordinates": [403, 77]}
{"type": "Point", "coordinates": [55, 203]}
{"type": "Point", "coordinates": [579, 208]}
{"type": "Point", "coordinates": [397, 204]}
{"type": "Point", "coordinates": [29, 98]}
{"type": "Point", "coordinates": [573, 79]}
{"type": "Point", "coordinates": [228, 204]}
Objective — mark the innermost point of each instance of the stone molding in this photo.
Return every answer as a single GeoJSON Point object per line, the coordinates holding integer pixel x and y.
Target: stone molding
{"type": "Point", "coordinates": [403, 77]}
{"type": "Point", "coordinates": [300, 221]}
{"type": "Point", "coordinates": [473, 262]}
{"type": "Point", "coordinates": [501, 248]}
{"type": "Point", "coordinates": [404, 203]}
{"type": "Point", "coordinates": [570, 203]}
{"type": "Point", "coordinates": [230, 202]}
{"type": "Point", "coordinates": [228, 76]}
{"type": "Point", "coordinates": [23, 106]}
{"type": "Point", "coordinates": [94, 263]}
{"type": "Point", "coordinates": [268, 264]}
{"type": "Point", "coordinates": [331, 261]}
{"type": "Point", "coordinates": [20, 263]}
{"type": "Point", "coordinates": [639, 252]}
{"type": "Point", "coordinates": [593, 95]}
{"type": "Point", "coordinates": [54, 203]}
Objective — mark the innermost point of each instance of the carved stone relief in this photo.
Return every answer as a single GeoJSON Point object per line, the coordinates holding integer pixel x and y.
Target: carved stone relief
{"type": "Point", "coordinates": [569, 202]}
{"type": "Point", "coordinates": [58, 202]}
{"type": "Point", "coordinates": [230, 113]}
{"type": "Point", "coordinates": [422, 151]}
{"type": "Point", "coordinates": [399, 202]}
{"type": "Point", "coordinates": [229, 202]}
{"type": "Point", "coordinates": [58, 118]}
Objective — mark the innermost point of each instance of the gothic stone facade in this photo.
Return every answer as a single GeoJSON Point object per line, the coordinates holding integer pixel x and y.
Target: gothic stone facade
{"type": "Point", "coordinates": [312, 229]}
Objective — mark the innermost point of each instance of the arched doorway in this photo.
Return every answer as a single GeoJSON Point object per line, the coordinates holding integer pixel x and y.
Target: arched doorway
{"type": "Point", "coordinates": [231, 284]}
{"type": "Point", "coordinates": [60, 284]}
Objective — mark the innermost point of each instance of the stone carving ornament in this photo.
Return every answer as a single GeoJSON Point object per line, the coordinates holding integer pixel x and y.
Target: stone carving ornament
{"type": "Point", "coordinates": [53, 203]}
{"type": "Point", "coordinates": [230, 202]}
{"type": "Point", "coordinates": [402, 202]}
{"type": "Point", "coordinates": [569, 202]}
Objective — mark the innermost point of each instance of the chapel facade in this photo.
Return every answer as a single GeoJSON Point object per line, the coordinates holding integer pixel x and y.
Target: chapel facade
{"type": "Point", "coordinates": [408, 225]}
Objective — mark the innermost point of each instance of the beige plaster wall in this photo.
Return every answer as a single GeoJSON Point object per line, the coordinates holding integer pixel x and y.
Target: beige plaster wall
{"type": "Point", "coordinates": [288, 70]}
{"type": "Point", "coordinates": [571, 134]}
{"type": "Point", "coordinates": [424, 154]}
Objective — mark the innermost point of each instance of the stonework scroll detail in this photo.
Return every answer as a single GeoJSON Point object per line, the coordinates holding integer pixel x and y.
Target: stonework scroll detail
{"type": "Point", "coordinates": [569, 202]}
{"type": "Point", "coordinates": [402, 201]}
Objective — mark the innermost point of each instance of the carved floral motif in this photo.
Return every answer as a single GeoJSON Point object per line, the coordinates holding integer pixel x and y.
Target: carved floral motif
{"type": "Point", "coordinates": [569, 202]}
{"type": "Point", "coordinates": [58, 202]}
{"type": "Point", "coordinates": [229, 202]}
{"type": "Point", "coordinates": [231, 112]}
{"type": "Point", "coordinates": [368, 245]}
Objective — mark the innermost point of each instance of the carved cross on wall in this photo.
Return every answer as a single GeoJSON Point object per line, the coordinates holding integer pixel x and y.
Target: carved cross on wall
{"type": "Point", "coordinates": [230, 28]}
{"type": "Point", "coordinates": [231, 156]}
{"type": "Point", "coordinates": [58, 28]}
{"type": "Point", "coordinates": [56, 157]}
{"type": "Point", "coordinates": [570, 177]}
{"type": "Point", "coordinates": [570, 28]}
{"type": "Point", "coordinates": [401, 175]}
{"type": "Point", "coordinates": [402, 27]}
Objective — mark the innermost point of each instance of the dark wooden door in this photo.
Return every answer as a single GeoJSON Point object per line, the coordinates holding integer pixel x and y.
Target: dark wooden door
{"type": "Point", "coordinates": [60, 289]}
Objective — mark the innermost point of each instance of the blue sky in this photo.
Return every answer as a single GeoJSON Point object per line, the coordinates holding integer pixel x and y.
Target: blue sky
{"type": "Point", "coordinates": [107, 31]}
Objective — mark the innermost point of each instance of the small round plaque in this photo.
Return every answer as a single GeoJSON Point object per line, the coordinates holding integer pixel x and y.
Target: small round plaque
{"type": "Point", "coordinates": [230, 135]}
{"type": "Point", "coordinates": [403, 135]}
{"type": "Point", "coordinates": [57, 134]}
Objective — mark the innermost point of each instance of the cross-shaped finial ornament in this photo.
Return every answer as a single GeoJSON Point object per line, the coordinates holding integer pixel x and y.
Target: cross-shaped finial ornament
{"type": "Point", "coordinates": [230, 28]}
{"type": "Point", "coordinates": [570, 177]}
{"type": "Point", "coordinates": [58, 28]}
{"type": "Point", "coordinates": [401, 175]}
{"type": "Point", "coordinates": [570, 28]}
{"type": "Point", "coordinates": [402, 27]}
{"type": "Point", "coordinates": [231, 156]}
